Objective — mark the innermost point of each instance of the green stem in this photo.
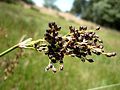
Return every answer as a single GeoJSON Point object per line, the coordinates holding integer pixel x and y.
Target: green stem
{"type": "Point", "coordinates": [28, 43]}
{"type": "Point", "coordinates": [8, 50]}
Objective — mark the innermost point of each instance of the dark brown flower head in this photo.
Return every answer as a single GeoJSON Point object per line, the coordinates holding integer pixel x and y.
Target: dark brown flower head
{"type": "Point", "coordinates": [78, 43]}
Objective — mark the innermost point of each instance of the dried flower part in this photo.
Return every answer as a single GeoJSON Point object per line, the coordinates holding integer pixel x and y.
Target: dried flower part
{"type": "Point", "coordinates": [79, 43]}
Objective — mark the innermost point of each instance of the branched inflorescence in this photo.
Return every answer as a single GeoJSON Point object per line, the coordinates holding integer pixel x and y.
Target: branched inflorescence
{"type": "Point", "coordinates": [79, 43]}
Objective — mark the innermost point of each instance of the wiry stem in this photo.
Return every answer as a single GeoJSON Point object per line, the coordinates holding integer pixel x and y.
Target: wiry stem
{"type": "Point", "coordinates": [28, 43]}
{"type": "Point", "coordinates": [9, 50]}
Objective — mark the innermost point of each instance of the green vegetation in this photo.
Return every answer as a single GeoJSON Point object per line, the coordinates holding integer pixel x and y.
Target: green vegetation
{"type": "Point", "coordinates": [17, 1]}
{"type": "Point", "coordinates": [104, 12]}
{"type": "Point", "coordinates": [16, 21]}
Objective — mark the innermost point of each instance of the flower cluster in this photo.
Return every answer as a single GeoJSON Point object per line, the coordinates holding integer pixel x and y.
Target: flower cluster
{"type": "Point", "coordinates": [79, 43]}
{"type": "Point", "coordinates": [55, 50]}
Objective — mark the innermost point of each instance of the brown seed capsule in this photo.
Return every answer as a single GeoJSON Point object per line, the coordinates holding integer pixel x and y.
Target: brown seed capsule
{"type": "Point", "coordinates": [85, 28]}
{"type": "Point", "coordinates": [50, 65]}
{"type": "Point", "coordinates": [50, 25]}
{"type": "Point", "coordinates": [95, 40]}
{"type": "Point", "coordinates": [61, 67]}
{"type": "Point", "coordinates": [72, 55]}
{"type": "Point", "coordinates": [70, 27]}
{"type": "Point", "coordinates": [100, 41]}
{"type": "Point", "coordinates": [47, 68]}
{"type": "Point", "coordinates": [54, 69]}
{"type": "Point", "coordinates": [90, 60]}
{"type": "Point", "coordinates": [100, 46]}
{"type": "Point", "coordinates": [83, 59]}
{"type": "Point", "coordinates": [114, 54]}
{"type": "Point", "coordinates": [58, 28]}
{"type": "Point", "coordinates": [53, 60]}
{"type": "Point", "coordinates": [53, 23]}
{"type": "Point", "coordinates": [110, 54]}
{"type": "Point", "coordinates": [81, 28]}
{"type": "Point", "coordinates": [98, 28]}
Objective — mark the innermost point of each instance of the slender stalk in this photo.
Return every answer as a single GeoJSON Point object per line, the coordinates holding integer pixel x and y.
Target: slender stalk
{"type": "Point", "coordinates": [12, 48]}
{"type": "Point", "coordinates": [28, 43]}
{"type": "Point", "coordinates": [8, 50]}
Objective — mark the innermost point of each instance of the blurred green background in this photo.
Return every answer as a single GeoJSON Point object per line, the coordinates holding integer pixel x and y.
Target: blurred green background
{"type": "Point", "coordinates": [16, 20]}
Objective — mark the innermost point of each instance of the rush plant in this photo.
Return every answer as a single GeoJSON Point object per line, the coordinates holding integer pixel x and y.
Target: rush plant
{"type": "Point", "coordinates": [79, 43]}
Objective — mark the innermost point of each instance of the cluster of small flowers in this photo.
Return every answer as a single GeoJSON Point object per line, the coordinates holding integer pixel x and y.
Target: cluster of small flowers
{"type": "Point", "coordinates": [55, 47]}
{"type": "Point", "coordinates": [78, 43]}
{"type": "Point", "coordinates": [83, 42]}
